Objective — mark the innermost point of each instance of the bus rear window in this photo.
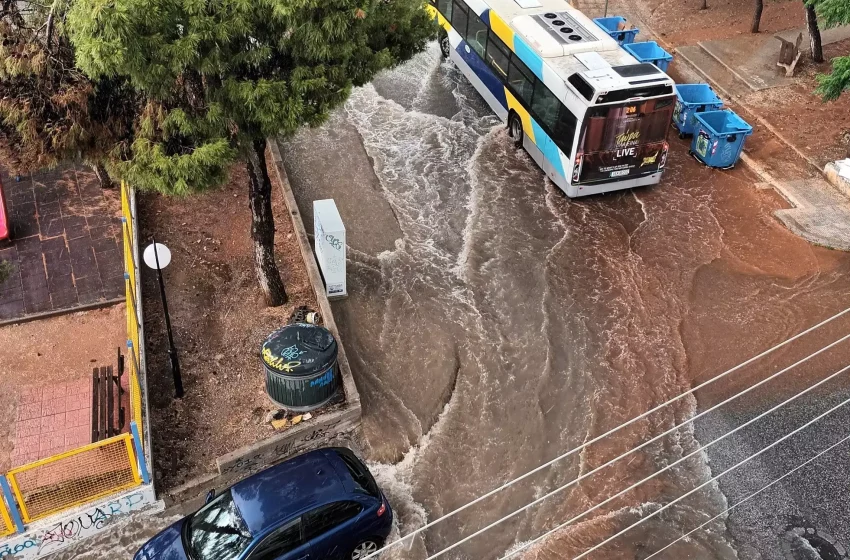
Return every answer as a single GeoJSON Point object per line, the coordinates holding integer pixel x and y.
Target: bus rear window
{"type": "Point", "coordinates": [358, 471]}
{"type": "Point", "coordinates": [620, 126]}
{"type": "Point", "coordinates": [624, 94]}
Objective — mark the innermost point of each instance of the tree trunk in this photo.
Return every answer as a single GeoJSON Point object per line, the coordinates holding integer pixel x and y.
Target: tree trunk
{"type": "Point", "coordinates": [262, 225]}
{"type": "Point", "coordinates": [757, 16]}
{"type": "Point", "coordinates": [814, 33]}
{"type": "Point", "coordinates": [102, 175]}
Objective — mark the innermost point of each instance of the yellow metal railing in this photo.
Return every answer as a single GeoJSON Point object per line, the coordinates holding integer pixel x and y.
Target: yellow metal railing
{"type": "Point", "coordinates": [6, 525]}
{"type": "Point", "coordinates": [75, 477]}
{"type": "Point", "coordinates": [133, 315]}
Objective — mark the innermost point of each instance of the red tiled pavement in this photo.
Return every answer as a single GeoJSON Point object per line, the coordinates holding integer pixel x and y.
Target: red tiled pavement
{"type": "Point", "coordinates": [51, 420]}
{"type": "Point", "coordinates": [54, 418]}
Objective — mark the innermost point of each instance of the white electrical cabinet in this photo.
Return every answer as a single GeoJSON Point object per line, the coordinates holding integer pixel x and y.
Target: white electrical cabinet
{"type": "Point", "coordinates": [329, 233]}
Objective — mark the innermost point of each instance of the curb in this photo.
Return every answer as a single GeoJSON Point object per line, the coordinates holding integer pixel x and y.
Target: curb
{"type": "Point", "coordinates": [60, 312]}
{"type": "Point", "coordinates": [747, 109]}
{"type": "Point", "coordinates": [351, 394]}
{"type": "Point", "coordinates": [334, 427]}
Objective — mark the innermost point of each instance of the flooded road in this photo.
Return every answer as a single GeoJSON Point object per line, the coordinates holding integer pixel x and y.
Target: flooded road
{"type": "Point", "coordinates": [494, 324]}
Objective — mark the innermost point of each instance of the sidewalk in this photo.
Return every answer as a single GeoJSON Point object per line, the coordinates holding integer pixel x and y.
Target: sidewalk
{"type": "Point", "coordinates": [796, 134]}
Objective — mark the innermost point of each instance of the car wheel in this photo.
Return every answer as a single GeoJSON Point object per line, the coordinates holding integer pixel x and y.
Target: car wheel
{"type": "Point", "coordinates": [515, 130]}
{"type": "Point", "coordinates": [445, 45]}
{"type": "Point", "coordinates": [364, 549]}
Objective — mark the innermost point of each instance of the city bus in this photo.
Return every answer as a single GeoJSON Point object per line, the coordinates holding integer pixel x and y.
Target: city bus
{"type": "Point", "coordinates": [589, 114]}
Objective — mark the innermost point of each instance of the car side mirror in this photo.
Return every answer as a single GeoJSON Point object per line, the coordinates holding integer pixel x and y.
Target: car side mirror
{"type": "Point", "coordinates": [210, 496]}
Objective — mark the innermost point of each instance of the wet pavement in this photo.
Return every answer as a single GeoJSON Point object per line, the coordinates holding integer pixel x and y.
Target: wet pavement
{"type": "Point", "coordinates": [493, 324]}
{"type": "Point", "coordinates": [65, 249]}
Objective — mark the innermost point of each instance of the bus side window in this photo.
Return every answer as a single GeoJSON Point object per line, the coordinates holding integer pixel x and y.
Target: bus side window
{"type": "Point", "coordinates": [497, 55]}
{"type": "Point", "coordinates": [445, 8]}
{"type": "Point", "coordinates": [476, 34]}
{"type": "Point", "coordinates": [521, 80]}
{"type": "Point", "coordinates": [565, 130]}
{"type": "Point", "coordinates": [545, 105]}
{"type": "Point", "coordinates": [459, 18]}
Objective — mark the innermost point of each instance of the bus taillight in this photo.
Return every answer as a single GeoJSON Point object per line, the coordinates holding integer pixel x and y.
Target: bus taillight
{"type": "Point", "coordinates": [577, 166]}
{"type": "Point", "coordinates": [664, 156]}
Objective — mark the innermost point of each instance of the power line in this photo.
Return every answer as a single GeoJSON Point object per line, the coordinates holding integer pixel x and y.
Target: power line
{"type": "Point", "coordinates": [641, 446]}
{"type": "Point", "coordinates": [602, 436]}
{"type": "Point", "coordinates": [754, 494]}
{"type": "Point", "coordinates": [682, 497]}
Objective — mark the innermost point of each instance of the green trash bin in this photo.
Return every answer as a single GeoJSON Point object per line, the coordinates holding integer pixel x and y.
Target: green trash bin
{"type": "Point", "coordinates": [300, 363]}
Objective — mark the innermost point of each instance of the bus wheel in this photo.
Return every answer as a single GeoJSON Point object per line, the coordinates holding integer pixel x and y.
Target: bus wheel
{"type": "Point", "coordinates": [515, 130]}
{"type": "Point", "coordinates": [445, 45]}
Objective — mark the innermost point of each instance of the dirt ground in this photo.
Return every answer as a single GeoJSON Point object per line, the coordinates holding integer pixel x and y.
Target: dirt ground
{"type": "Point", "coordinates": [820, 129]}
{"type": "Point", "coordinates": [41, 354]}
{"type": "Point", "coordinates": [683, 23]}
{"type": "Point", "coordinates": [219, 321]}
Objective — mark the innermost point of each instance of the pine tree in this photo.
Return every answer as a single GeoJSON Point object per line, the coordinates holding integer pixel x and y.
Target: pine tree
{"type": "Point", "coordinates": [49, 110]}
{"type": "Point", "coordinates": [221, 76]}
{"type": "Point", "coordinates": [833, 13]}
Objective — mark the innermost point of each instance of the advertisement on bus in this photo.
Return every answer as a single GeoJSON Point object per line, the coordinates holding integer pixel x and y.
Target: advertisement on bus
{"type": "Point", "coordinates": [624, 141]}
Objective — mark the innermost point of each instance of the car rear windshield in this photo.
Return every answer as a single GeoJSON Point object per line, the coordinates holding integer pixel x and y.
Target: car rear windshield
{"type": "Point", "coordinates": [358, 471]}
{"type": "Point", "coordinates": [217, 531]}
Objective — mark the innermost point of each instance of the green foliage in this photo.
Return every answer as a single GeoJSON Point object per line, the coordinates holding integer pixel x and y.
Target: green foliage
{"type": "Point", "coordinates": [833, 13]}
{"type": "Point", "coordinates": [219, 74]}
{"type": "Point", "coordinates": [49, 110]}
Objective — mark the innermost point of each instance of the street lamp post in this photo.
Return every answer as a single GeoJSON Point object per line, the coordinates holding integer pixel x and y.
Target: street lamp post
{"type": "Point", "coordinates": [157, 256]}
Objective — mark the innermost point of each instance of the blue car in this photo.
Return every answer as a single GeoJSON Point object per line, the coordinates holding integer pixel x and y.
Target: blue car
{"type": "Point", "coordinates": [323, 505]}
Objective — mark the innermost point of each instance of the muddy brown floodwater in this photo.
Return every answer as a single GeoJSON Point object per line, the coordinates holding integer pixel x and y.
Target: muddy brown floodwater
{"type": "Point", "coordinates": [494, 324]}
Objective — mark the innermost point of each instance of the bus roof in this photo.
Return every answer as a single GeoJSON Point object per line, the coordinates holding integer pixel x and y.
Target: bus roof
{"type": "Point", "coordinates": [569, 42]}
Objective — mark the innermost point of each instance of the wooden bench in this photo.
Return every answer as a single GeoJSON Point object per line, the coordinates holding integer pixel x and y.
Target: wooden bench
{"type": "Point", "coordinates": [789, 55]}
{"type": "Point", "coordinates": [107, 414]}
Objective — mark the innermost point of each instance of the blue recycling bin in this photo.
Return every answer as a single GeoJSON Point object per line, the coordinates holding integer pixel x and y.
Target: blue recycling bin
{"type": "Point", "coordinates": [651, 53]}
{"type": "Point", "coordinates": [693, 99]}
{"type": "Point", "coordinates": [610, 25]}
{"type": "Point", "coordinates": [719, 138]}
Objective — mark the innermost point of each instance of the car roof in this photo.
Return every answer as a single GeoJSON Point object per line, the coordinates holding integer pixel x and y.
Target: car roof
{"type": "Point", "coordinates": [301, 483]}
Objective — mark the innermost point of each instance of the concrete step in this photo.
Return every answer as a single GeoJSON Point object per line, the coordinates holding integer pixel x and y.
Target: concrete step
{"type": "Point", "coordinates": [714, 71]}
{"type": "Point", "coordinates": [828, 226]}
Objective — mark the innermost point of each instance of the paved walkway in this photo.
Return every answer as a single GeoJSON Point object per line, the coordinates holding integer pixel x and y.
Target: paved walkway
{"type": "Point", "coordinates": [65, 247]}
{"type": "Point", "coordinates": [752, 58]}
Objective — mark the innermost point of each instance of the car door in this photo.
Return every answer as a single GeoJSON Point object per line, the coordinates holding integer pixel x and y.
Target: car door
{"type": "Point", "coordinates": [331, 530]}
{"type": "Point", "coordinates": [284, 543]}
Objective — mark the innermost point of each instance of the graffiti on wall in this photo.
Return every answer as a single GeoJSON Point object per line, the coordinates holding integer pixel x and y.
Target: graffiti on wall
{"type": "Point", "coordinates": [75, 526]}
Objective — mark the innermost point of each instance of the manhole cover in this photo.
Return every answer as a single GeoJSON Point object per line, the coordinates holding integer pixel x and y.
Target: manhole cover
{"type": "Point", "coordinates": [802, 541]}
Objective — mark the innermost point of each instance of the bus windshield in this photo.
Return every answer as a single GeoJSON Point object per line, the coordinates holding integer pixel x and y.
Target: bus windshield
{"type": "Point", "coordinates": [625, 140]}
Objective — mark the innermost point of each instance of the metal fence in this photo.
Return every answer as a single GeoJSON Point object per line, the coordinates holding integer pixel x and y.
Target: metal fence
{"type": "Point", "coordinates": [133, 311]}
{"type": "Point", "coordinates": [48, 486]}
{"type": "Point", "coordinates": [6, 525]}
{"type": "Point", "coordinates": [75, 477]}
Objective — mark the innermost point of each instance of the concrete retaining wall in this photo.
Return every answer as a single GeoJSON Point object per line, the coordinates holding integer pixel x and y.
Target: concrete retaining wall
{"type": "Point", "coordinates": [336, 427]}
{"type": "Point", "coordinates": [60, 531]}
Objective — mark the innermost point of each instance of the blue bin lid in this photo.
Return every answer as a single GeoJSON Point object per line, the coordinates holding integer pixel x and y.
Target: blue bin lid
{"type": "Point", "coordinates": [300, 350]}
{"type": "Point", "coordinates": [697, 94]}
{"type": "Point", "coordinates": [721, 123]}
{"type": "Point", "coordinates": [647, 50]}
